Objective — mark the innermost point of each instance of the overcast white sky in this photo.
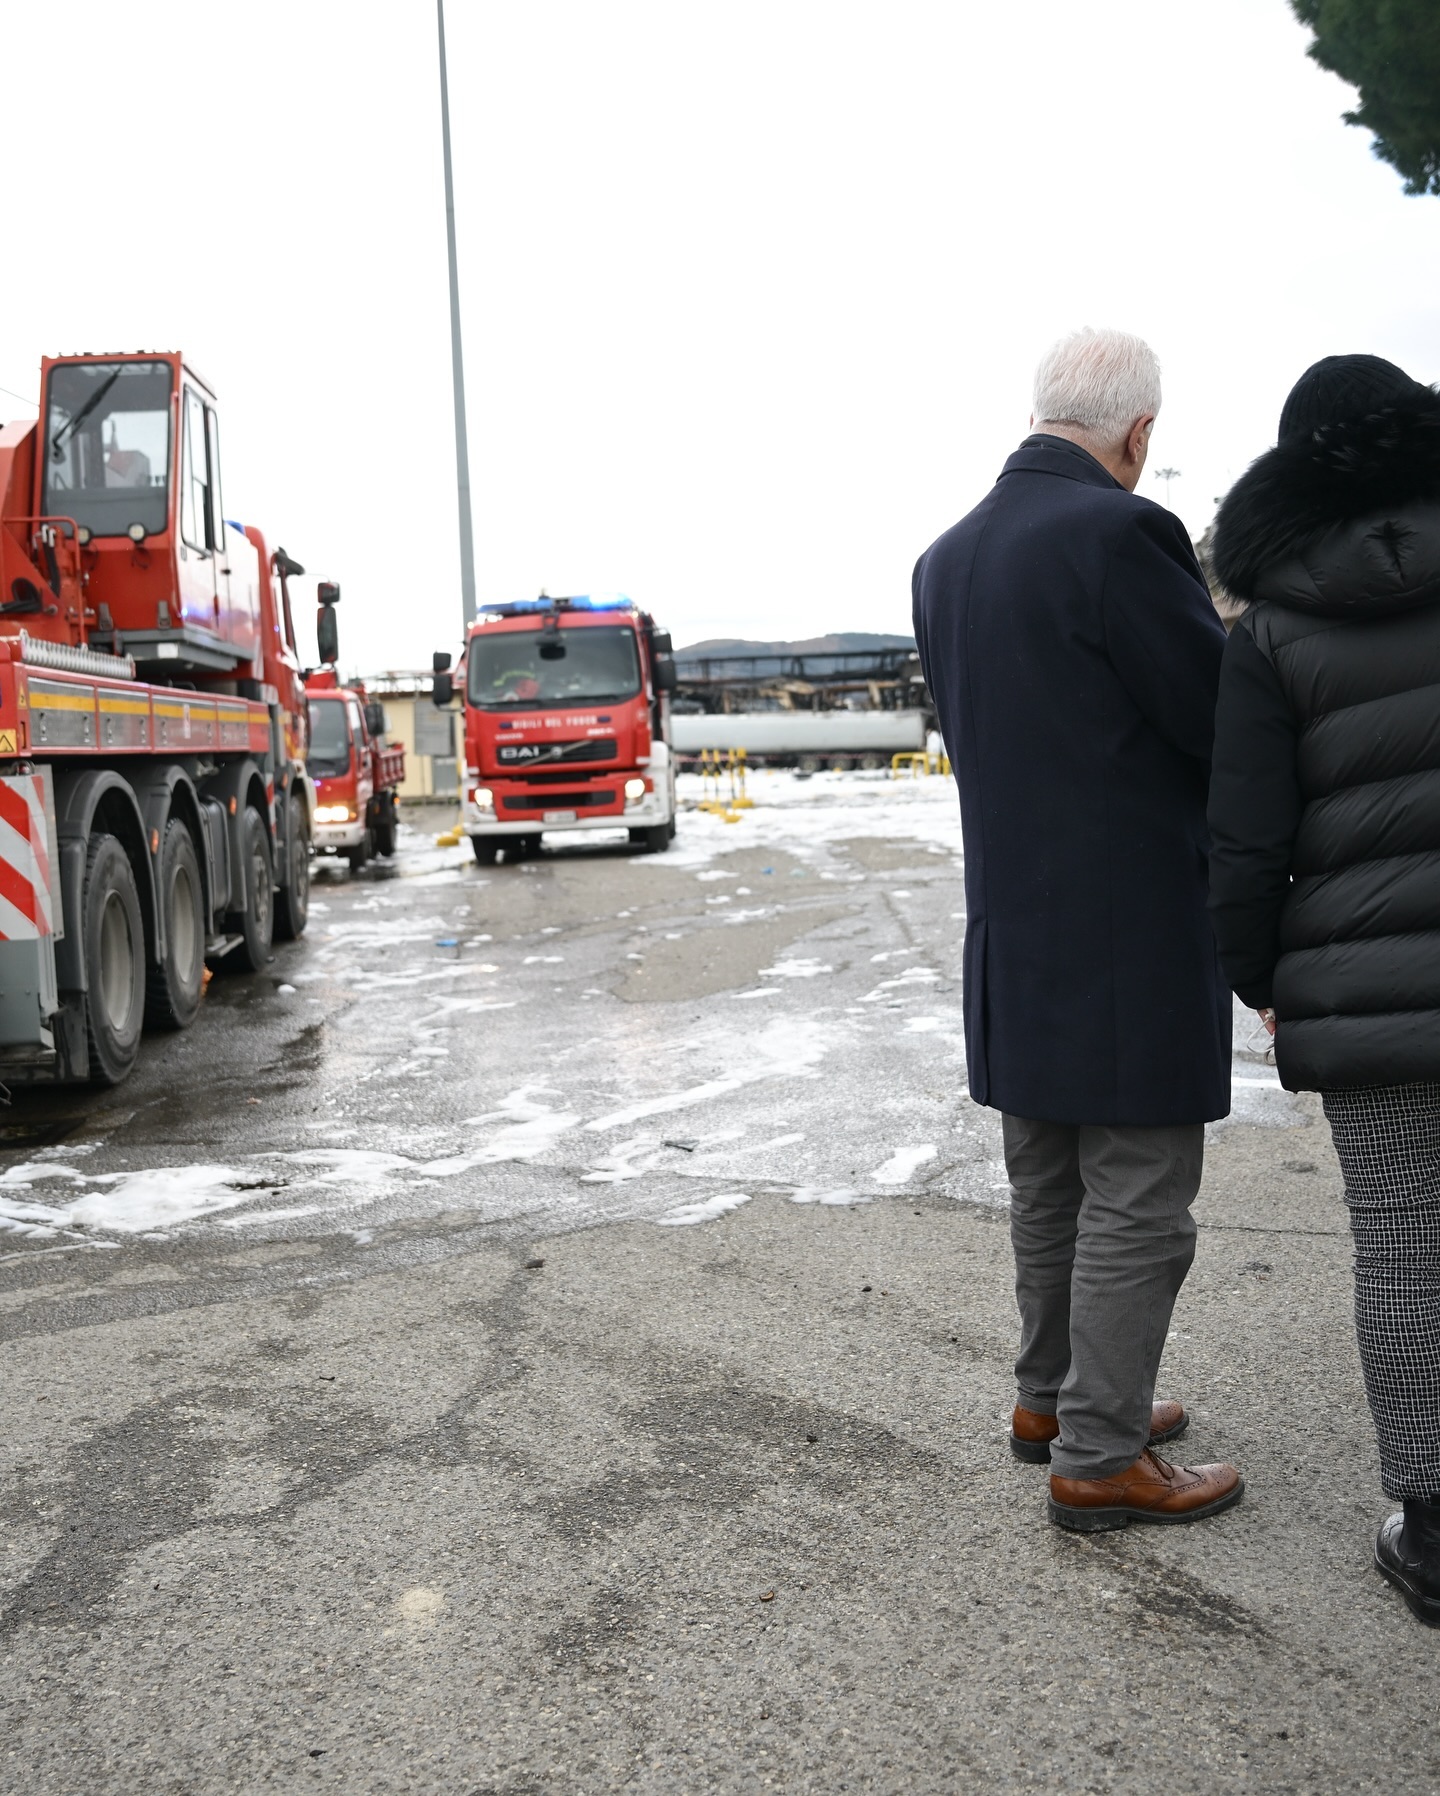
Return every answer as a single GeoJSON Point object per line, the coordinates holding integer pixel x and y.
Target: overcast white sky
{"type": "Point", "coordinates": [752, 292]}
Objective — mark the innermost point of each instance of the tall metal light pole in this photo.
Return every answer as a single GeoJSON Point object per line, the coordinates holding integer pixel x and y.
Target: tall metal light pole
{"type": "Point", "coordinates": [457, 359]}
{"type": "Point", "coordinates": [1167, 475]}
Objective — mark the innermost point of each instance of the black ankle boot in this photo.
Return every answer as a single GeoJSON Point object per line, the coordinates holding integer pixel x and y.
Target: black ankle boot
{"type": "Point", "coordinates": [1407, 1552]}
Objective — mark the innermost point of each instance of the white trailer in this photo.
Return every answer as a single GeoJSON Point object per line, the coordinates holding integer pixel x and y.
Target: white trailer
{"type": "Point", "coordinates": [801, 735]}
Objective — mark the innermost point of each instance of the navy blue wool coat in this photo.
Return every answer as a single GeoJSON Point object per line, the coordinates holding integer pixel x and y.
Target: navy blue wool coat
{"type": "Point", "coordinates": [1073, 654]}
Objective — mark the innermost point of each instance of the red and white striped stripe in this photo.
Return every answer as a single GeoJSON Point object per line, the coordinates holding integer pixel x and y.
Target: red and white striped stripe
{"type": "Point", "coordinates": [26, 901]}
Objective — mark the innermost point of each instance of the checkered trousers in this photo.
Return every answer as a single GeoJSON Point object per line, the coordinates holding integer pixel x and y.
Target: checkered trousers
{"type": "Point", "coordinates": [1388, 1142]}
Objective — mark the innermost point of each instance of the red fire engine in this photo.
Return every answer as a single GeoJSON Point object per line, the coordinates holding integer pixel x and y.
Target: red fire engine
{"type": "Point", "coordinates": [356, 772]}
{"type": "Point", "coordinates": [155, 811]}
{"type": "Point", "coordinates": [567, 724]}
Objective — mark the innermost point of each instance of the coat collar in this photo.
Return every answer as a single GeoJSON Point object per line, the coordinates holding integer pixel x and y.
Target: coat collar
{"type": "Point", "coordinates": [1041, 454]}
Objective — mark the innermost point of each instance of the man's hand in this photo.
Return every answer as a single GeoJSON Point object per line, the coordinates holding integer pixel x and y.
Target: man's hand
{"type": "Point", "coordinates": [1267, 1017]}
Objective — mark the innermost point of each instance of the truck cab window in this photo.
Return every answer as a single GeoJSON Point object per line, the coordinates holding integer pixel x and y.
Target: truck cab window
{"type": "Point", "coordinates": [217, 504]}
{"type": "Point", "coordinates": [107, 446]}
{"type": "Point", "coordinates": [195, 481]}
{"type": "Point", "coordinates": [328, 755]}
{"type": "Point", "coordinates": [531, 669]}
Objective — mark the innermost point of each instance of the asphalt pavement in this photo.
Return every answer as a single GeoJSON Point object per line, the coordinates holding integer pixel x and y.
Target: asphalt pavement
{"type": "Point", "coordinates": [553, 1333]}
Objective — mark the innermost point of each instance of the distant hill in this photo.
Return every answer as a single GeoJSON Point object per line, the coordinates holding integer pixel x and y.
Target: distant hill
{"type": "Point", "coordinates": [838, 643]}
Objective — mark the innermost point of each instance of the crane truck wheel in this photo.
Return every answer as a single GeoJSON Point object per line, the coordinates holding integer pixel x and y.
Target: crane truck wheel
{"type": "Point", "coordinates": [256, 924]}
{"type": "Point", "coordinates": [487, 850]}
{"type": "Point", "coordinates": [292, 901]}
{"type": "Point", "coordinates": [114, 935]}
{"type": "Point", "coordinates": [173, 988]}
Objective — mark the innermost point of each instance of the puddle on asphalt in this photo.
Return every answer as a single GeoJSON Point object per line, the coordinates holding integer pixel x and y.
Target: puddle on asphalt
{"type": "Point", "coordinates": [37, 1132]}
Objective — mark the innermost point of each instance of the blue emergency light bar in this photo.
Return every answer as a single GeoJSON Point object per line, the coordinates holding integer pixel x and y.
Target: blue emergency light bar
{"type": "Point", "coordinates": [580, 602]}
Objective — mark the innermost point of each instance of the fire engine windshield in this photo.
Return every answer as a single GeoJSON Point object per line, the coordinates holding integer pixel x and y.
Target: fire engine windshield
{"type": "Point", "coordinates": [530, 670]}
{"type": "Point", "coordinates": [329, 751]}
{"type": "Point", "coordinates": [107, 445]}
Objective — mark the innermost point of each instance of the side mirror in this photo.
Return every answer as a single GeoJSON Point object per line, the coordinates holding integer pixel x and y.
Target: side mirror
{"type": "Point", "coordinates": [666, 677]}
{"type": "Point", "coordinates": [328, 592]}
{"type": "Point", "coordinates": [440, 661]}
{"type": "Point", "coordinates": [442, 688]}
{"type": "Point", "coordinates": [661, 643]}
{"type": "Point", "coordinates": [375, 720]}
{"type": "Point", "coordinates": [327, 635]}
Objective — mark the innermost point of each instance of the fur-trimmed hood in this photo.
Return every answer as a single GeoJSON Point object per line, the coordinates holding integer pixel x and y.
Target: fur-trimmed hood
{"type": "Point", "coordinates": [1344, 521]}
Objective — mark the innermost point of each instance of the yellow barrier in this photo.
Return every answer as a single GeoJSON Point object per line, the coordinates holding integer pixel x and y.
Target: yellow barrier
{"type": "Point", "coordinates": [921, 763]}
{"type": "Point", "coordinates": [714, 769]}
{"type": "Point", "coordinates": [739, 801]}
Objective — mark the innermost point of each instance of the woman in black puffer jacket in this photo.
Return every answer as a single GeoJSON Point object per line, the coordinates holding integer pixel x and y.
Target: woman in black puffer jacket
{"type": "Point", "coordinates": [1325, 861]}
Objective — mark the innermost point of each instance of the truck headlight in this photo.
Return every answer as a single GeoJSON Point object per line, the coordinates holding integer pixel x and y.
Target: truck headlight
{"type": "Point", "coordinates": [634, 791]}
{"type": "Point", "coordinates": [334, 813]}
{"type": "Point", "coordinates": [483, 798]}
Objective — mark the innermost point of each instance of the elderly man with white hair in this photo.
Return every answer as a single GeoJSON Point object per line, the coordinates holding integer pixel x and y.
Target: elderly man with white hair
{"type": "Point", "coordinates": [1073, 655]}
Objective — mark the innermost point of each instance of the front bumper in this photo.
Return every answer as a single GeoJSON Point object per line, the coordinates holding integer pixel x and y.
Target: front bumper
{"type": "Point", "coordinates": [646, 813]}
{"type": "Point", "coordinates": [334, 838]}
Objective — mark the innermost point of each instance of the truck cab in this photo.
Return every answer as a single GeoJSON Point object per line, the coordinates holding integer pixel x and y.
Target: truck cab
{"type": "Point", "coordinates": [567, 724]}
{"type": "Point", "coordinates": [355, 771]}
{"type": "Point", "coordinates": [152, 719]}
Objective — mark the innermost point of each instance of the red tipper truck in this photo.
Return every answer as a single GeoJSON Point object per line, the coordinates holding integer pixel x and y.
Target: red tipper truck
{"type": "Point", "coordinates": [567, 724]}
{"type": "Point", "coordinates": [155, 811]}
{"type": "Point", "coordinates": [356, 772]}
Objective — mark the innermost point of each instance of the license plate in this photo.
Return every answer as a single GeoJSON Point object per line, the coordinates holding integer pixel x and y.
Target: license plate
{"type": "Point", "coordinates": [557, 817]}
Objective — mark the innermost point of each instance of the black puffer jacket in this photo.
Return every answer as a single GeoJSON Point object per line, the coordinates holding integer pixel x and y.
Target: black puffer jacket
{"type": "Point", "coordinates": [1325, 791]}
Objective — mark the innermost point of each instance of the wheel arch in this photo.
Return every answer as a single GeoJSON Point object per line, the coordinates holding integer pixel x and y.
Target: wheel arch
{"type": "Point", "coordinates": [301, 786]}
{"type": "Point", "coordinates": [240, 786]}
{"type": "Point", "coordinates": [87, 799]}
{"type": "Point", "coordinates": [172, 793]}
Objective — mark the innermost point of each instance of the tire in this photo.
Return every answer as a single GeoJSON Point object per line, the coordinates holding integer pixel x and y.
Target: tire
{"type": "Point", "coordinates": [386, 826]}
{"type": "Point", "coordinates": [174, 987]}
{"type": "Point", "coordinates": [357, 857]}
{"type": "Point", "coordinates": [115, 961]}
{"type": "Point", "coordinates": [487, 850]}
{"type": "Point", "coordinates": [257, 923]}
{"type": "Point", "coordinates": [292, 901]}
{"type": "Point", "coordinates": [656, 840]}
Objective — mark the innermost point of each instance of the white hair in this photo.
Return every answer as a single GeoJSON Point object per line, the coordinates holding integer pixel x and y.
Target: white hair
{"type": "Point", "coordinates": [1098, 382]}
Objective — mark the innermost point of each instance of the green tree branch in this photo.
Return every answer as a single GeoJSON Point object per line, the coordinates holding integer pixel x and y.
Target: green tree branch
{"type": "Point", "coordinates": [1390, 51]}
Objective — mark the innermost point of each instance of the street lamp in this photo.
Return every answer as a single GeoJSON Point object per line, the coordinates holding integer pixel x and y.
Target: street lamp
{"type": "Point", "coordinates": [1165, 474]}
{"type": "Point", "coordinates": [453, 836]}
{"type": "Point", "coordinates": [457, 359]}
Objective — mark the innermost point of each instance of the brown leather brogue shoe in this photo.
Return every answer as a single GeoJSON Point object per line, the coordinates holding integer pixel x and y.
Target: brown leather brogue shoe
{"type": "Point", "coordinates": [1151, 1490]}
{"type": "Point", "coordinates": [1031, 1433]}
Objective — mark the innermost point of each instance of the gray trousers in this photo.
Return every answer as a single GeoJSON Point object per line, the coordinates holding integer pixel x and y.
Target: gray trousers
{"type": "Point", "coordinates": [1103, 1237]}
{"type": "Point", "coordinates": [1387, 1138]}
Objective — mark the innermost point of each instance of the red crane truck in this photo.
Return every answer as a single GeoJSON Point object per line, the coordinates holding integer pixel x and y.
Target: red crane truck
{"type": "Point", "coordinates": [155, 811]}
{"type": "Point", "coordinates": [356, 772]}
{"type": "Point", "coordinates": [567, 724]}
